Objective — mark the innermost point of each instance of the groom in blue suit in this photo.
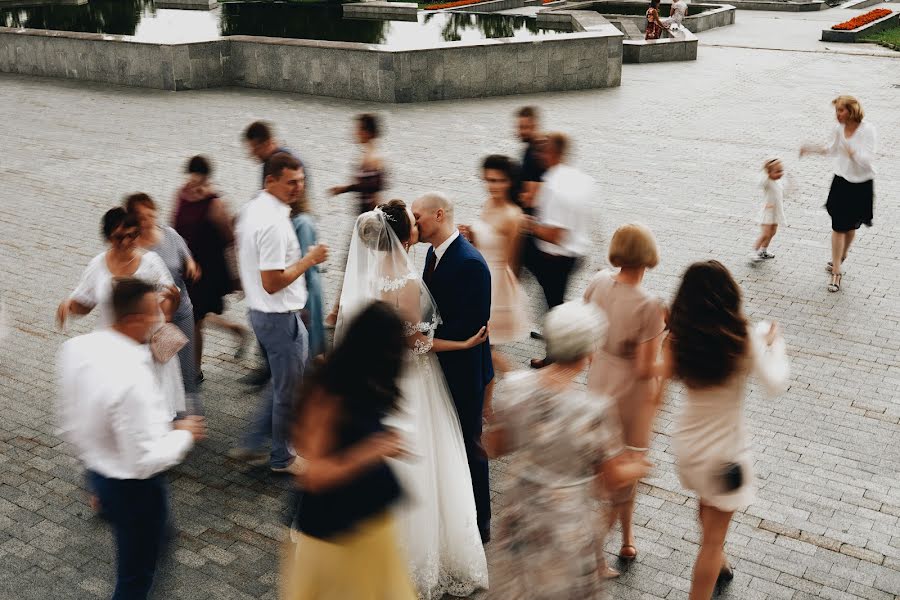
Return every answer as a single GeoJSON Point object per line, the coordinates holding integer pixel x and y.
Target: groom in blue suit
{"type": "Point", "coordinates": [459, 280]}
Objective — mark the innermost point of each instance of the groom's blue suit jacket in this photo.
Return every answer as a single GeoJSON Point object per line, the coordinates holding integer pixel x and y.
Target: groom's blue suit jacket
{"type": "Point", "coordinates": [461, 287]}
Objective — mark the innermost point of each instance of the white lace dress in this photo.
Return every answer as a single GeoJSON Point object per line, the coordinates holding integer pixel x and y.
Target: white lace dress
{"type": "Point", "coordinates": [436, 520]}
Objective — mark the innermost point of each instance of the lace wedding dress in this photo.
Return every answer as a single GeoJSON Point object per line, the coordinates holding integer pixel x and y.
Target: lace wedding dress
{"type": "Point", "coordinates": [436, 519]}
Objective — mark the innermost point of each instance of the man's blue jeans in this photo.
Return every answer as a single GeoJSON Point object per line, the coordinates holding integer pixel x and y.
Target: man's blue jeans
{"type": "Point", "coordinates": [285, 345]}
{"type": "Point", "coordinates": [138, 510]}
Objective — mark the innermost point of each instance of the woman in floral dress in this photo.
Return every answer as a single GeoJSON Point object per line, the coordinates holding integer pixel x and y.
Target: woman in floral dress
{"type": "Point", "coordinates": [562, 437]}
{"type": "Point", "coordinates": [654, 23]}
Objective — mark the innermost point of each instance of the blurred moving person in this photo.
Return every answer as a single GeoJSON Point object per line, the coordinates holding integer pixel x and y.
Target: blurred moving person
{"type": "Point", "coordinates": [713, 351]}
{"type": "Point", "coordinates": [369, 181]}
{"type": "Point", "coordinates": [272, 277]}
{"type": "Point", "coordinates": [560, 228]}
{"type": "Point", "coordinates": [346, 545]}
{"type": "Point", "coordinates": [626, 366]}
{"type": "Point", "coordinates": [560, 438]}
{"type": "Point", "coordinates": [113, 412]}
{"type": "Point", "coordinates": [166, 243]}
{"type": "Point", "coordinates": [202, 219]}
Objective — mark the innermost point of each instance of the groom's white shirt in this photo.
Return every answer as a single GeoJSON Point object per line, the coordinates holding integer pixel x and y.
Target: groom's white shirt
{"type": "Point", "coordinates": [440, 250]}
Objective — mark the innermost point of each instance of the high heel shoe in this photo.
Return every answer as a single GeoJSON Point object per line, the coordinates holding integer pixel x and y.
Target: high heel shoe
{"type": "Point", "coordinates": [835, 285]}
{"type": "Point", "coordinates": [725, 575]}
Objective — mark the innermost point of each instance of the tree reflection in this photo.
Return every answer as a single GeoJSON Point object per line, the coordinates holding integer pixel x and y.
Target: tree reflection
{"type": "Point", "coordinates": [490, 26]}
{"type": "Point", "coordinates": [318, 21]}
{"type": "Point", "coordinates": [116, 17]}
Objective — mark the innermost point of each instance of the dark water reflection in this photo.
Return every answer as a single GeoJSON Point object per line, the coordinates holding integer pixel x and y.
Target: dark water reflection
{"type": "Point", "coordinates": [140, 20]}
{"type": "Point", "coordinates": [116, 17]}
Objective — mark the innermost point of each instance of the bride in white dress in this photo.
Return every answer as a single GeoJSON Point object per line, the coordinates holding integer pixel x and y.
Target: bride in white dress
{"type": "Point", "coordinates": [436, 521]}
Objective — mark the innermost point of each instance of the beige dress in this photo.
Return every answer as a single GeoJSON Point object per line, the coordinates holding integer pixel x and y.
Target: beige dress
{"type": "Point", "coordinates": [546, 534]}
{"type": "Point", "coordinates": [712, 433]}
{"type": "Point", "coordinates": [634, 317]}
{"type": "Point", "coordinates": [509, 319]}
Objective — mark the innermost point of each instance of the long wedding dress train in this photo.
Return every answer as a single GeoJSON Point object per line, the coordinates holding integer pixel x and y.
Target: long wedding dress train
{"type": "Point", "coordinates": [436, 521]}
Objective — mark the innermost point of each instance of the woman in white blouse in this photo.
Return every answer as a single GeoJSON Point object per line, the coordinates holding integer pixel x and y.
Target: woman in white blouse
{"type": "Point", "coordinates": [852, 193]}
{"type": "Point", "coordinates": [124, 258]}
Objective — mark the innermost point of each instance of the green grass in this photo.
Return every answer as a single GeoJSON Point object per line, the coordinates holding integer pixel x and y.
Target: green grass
{"type": "Point", "coordinates": [889, 38]}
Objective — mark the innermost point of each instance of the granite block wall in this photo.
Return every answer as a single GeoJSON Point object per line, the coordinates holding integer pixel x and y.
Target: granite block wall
{"type": "Point", "coordinates": [590, 59]}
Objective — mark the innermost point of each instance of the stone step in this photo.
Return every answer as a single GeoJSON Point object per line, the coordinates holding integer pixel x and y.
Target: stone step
{"type": "Point", "coordinates": [631, 30]}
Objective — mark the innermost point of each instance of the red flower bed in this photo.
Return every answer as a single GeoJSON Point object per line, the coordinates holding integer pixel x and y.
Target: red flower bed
{"type": "Point", "coordinates": [865, 19]}
{"type": "Point", "coordinates": [451, 4]}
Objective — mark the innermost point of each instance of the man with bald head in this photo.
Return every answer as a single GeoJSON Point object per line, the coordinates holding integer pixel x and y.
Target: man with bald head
{"type": "Point", "coordinates": [459, 280]}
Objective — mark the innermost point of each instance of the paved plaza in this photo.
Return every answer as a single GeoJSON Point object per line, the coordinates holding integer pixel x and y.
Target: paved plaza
{"type": "Point", "coordinates": [678, 146]}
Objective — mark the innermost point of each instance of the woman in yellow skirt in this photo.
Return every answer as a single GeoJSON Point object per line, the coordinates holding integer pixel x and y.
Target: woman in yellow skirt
{"type": "Point", "coordinates": [343, 544]}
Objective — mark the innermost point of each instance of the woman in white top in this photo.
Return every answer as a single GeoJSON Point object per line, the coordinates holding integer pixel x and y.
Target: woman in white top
{"type": "Point", "coordinates": [677, 13]}
{"type": "Point", "coordinates": [125, 259]}
{"type": "Point", "coordinates": [712, 350]}
{"type": "Point", "coordinates": [852, 194]}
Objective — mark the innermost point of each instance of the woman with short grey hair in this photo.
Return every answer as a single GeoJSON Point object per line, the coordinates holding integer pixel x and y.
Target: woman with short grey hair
{"type": "Point", "coordinates": [561, 439]}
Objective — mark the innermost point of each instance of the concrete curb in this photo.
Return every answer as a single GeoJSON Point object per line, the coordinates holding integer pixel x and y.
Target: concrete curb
{"type": "Point", "coordinates": [780, 6]}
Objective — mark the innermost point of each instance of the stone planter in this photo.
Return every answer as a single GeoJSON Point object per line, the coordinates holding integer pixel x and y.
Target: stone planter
{"type": "Point", "coordinates": [712, 15]}
{"type": "Point", "coordinates": [394, 11]}
{"type": "Point", "coordinates": [187, 4]}
{"type": "Point", "coordinates": [852, 35]}
{"type": "Point", "coordinates": [589, 57]}
{"type": "Point", "coordinates": [779, 5]}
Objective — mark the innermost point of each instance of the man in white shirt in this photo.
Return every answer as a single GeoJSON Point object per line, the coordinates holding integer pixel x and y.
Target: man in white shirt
{"type": "Point", "coordinates": [112, 411]}
{"type": "Point", "coordinates": [271, 270]}
{"type": "Point", "coordinates": [560, 228]}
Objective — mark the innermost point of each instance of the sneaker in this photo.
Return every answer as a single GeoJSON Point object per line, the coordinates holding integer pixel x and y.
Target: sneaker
{"type": "Point", "coordinates": [295, 467]}
{"type": "Point", "coordinates": [765, 254]}
{"type": "Point", "coordinates": [755, 257]}
{"type": "Point", "coordinates": [248, 455]}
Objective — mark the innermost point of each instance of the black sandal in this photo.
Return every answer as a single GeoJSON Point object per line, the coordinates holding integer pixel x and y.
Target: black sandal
{"type": "Point", "coordinates": [725, 575]}
{"type": "Point", "coordinates": [835, 285]}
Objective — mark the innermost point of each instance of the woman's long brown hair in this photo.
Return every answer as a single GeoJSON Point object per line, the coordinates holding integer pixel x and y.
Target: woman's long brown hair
{"type": "Point", "coordinates": [708, 327]}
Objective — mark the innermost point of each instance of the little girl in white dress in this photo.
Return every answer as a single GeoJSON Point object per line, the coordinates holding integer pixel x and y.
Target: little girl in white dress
{"type": "Point", "coordinates": [772, 212]}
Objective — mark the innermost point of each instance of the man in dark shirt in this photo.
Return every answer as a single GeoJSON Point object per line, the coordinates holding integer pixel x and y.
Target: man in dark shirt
{"type": "Point", "coordinates": [262, 145]}
{"type": "Point", "coordinates": [532, 169]}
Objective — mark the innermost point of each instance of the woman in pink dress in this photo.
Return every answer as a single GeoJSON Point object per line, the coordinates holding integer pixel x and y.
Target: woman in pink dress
{"type": "Point", "coordinates": [496, 235]}
{"type": "Point", "coordinates": [625, 368]}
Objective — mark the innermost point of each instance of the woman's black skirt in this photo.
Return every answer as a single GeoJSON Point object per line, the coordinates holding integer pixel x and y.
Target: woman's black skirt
{"type": "Point", "coordinates": [850, 204]}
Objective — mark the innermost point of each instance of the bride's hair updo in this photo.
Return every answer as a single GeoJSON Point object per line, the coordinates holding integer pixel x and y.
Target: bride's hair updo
{"type": "Point", "coordinates": [371, 231]}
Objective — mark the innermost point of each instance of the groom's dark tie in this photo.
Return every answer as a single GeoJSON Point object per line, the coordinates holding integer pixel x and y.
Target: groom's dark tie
{"type": "Point", "coordinates": [430, 263]}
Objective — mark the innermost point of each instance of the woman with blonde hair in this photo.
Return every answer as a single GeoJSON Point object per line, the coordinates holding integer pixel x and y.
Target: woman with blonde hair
{"type": "Point", "coordinates": [625, 366]}
{"type": "Point", "coordinates": [852, 194]}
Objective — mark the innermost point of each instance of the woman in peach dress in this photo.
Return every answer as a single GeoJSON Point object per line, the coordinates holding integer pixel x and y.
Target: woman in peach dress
{"type": "Point", "coordinates": [496, 235]}
{"type": "Point", "coordinates": [626, 367]}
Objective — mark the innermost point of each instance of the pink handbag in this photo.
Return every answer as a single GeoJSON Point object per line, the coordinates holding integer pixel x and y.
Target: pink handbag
{"type": "Point", "coordinates": [166, 342]}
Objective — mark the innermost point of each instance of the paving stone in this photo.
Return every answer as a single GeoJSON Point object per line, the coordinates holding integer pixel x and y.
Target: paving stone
{"type": "Point", "coordinates": [825, 523]}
